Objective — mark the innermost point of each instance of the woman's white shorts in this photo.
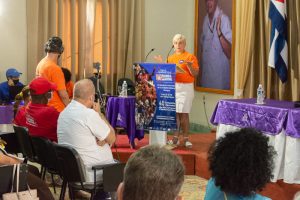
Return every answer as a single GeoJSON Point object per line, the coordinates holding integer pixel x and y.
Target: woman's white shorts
{"type": "Point", "coordinates": [184, 97]}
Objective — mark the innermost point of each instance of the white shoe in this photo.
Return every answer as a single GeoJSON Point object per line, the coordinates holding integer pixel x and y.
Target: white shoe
{"type": "Point", "coordinates": [188, 144]}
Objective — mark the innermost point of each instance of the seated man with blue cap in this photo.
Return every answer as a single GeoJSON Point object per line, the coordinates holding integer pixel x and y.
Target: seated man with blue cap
{"type": "Point", "coordinates": [12, 76]}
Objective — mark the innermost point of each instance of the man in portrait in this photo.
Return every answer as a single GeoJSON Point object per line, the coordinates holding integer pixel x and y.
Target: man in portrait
{"type": "Point", "coordinates": [215, 48]}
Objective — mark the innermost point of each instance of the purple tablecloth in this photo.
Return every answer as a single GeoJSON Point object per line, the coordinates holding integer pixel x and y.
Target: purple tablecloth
{"type": "Point", "coordinates": [120, 112]}
{"type": "Point", "coordinates": [270, 117]}
{"type": "Point", "coordinates": [6, 114]}
{"type": "Point", "coordinates": [293, 123]}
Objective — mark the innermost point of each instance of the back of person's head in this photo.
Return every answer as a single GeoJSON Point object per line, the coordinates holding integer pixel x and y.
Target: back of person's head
{"type": "Point", "coordinates": [54, 45]}
{"type": "Point", "coordinates": [41, 90]}
{"type": "Point", "coordinates": [152, 173]}
{"type": "Point", "coordinates": [67, 74]}
{"type": "Point", "coordinates": [83, 90]}
{"type": "Point", "coordinates": [241, 162]}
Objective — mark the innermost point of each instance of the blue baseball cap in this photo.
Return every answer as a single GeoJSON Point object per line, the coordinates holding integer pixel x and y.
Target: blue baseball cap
{"type": "Point", "coordinates": [12, 72]}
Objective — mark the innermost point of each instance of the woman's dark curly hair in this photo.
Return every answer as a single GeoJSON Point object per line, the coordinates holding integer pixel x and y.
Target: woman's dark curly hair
{"type": "Point", "coordinates": [242, 161]}
{"type": "Point", "coordinates": [67, 74]}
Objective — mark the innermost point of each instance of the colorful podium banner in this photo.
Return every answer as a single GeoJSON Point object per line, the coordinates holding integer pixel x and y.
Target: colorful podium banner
{"type": "Point", "coordinates": [155, 96]}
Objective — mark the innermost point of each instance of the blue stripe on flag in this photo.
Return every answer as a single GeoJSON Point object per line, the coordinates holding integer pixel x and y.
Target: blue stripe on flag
{"type": "Point", "coordinates": [272, 34]}
{"type": "Point", "coordinates": [281, 69]}
{"type": "Point", "coordinates": [278, 21]}
{"type": "Point", "coordinates": [279, 45]}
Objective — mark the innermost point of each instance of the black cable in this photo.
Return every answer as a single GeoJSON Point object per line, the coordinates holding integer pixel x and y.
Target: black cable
{"type": "Point", "coordinates": [208, 124]}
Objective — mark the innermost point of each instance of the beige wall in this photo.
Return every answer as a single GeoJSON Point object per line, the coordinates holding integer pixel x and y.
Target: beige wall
{"type": "Point", "coordinates": [13, 40]}
{"type": "Point", "coordinates": [163, 19]}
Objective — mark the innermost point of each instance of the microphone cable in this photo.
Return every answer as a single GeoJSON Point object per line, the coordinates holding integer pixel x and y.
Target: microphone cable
{"type": "Point", "coordinates": [205, 112]}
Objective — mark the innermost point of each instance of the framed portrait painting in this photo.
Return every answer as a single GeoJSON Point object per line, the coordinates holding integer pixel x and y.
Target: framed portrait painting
{"type": "Point", "coordinates": [214, 45]}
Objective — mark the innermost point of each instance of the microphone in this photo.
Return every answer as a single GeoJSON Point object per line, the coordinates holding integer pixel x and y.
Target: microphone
{"type": "Point", "coordinates": [169, 53]}
{"type": "Point", "coordinates": [149, 54]}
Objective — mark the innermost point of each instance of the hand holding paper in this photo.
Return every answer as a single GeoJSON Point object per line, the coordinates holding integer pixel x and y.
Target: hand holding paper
{"type": "Point", "coordinates": [189, 64]}
{"type": "Point", "coordinates": [179, 69]}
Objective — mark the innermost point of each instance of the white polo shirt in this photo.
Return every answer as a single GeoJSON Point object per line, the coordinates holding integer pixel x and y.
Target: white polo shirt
{"type": "Point", "coordinates": [78, 126]}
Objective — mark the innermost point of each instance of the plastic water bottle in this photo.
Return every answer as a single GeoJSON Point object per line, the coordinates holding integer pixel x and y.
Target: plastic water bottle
{"type": "Point", "coordinates": [260, 94]}
{"type": "Point", "coordinates": [124, 89]}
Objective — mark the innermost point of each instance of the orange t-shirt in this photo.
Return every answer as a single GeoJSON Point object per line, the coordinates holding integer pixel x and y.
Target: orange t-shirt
{"type": "Point", "coordinates": [53, 73]}
{"type": "Point", "coordinates": [69, 87]}
{"type": "Point", "coordinates": [179, 60]}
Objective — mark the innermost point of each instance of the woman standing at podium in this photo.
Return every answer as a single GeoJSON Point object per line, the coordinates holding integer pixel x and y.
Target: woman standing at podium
{"type": "Point", "coordinates": [186, 69]}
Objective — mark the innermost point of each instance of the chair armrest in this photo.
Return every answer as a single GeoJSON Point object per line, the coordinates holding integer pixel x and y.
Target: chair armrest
{"type": "Point", "coordinates": [100, 167]}
{"type": "Point", "coordinates": [112, 175]}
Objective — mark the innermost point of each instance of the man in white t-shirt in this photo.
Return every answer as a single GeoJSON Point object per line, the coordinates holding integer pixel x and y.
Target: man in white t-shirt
{"type": "Point", "coordinates": [81, 126]}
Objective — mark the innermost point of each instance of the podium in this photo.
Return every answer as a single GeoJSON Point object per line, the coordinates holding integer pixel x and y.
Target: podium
{"type": "Point", "coordinates": [155, 99]}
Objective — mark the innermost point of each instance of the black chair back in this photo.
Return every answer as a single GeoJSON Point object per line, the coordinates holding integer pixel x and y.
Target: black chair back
{"type": "Point", "coordinates": [6, 173]}
{"type": "Point", "coordinates": [70, 163]}
{"type": "Point", "coordinates": [25, 143]}
{"type": "Point", "coordinates": [12, 145]}
{"type": "Point", "coordinates": [45, 152]}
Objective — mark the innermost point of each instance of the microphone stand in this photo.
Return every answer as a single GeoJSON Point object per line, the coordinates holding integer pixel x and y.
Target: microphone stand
{"type": "Point", "coordinates": [101, 100]}
{"type": "Point", "coordinates": [151, 50]}
{"type": "Point", "coordinates": [169, 53]}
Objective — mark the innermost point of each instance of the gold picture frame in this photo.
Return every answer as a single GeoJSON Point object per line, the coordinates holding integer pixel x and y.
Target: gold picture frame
{"type": "Point", "coordinates": [228, 9]}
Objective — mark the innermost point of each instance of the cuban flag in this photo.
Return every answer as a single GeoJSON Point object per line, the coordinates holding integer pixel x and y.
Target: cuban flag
{"type": "Point", "coordinates": [278, 56]}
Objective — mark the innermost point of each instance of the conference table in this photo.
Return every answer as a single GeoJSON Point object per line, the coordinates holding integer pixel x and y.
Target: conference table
{"type": "Point", "coordinates": [279, 120]}
{"type": "Point", "coordinates": [120, 112]}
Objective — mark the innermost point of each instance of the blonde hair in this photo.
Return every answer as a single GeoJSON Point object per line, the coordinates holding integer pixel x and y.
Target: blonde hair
{"type": "Point", "coordinates": [179, 37]}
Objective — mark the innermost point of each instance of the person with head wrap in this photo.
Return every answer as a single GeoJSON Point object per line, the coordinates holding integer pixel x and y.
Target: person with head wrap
{"type": "Point", "coordinates": [49, 69]}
